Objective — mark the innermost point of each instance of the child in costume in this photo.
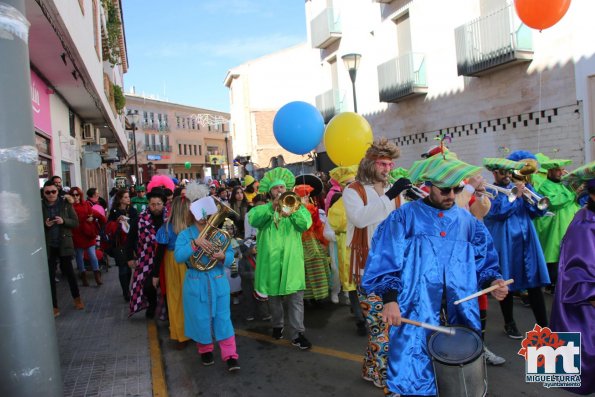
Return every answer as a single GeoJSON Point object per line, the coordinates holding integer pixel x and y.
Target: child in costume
{"type": "Point", "coordinates": [259, 307]}
{"type": "Point", "coordinates": [207, 314]}
{"type": "Point", "coordinates": [280, 263]}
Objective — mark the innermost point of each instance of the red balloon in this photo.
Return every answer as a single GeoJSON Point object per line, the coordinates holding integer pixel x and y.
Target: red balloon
{"type": "Point", "coordinates": [541, 14]}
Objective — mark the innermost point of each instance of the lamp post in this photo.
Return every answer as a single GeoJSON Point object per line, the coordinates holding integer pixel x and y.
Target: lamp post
{"type": "Point", "coordinates": [133, 118]}
{"type": "Point", "coordinates": [227, 155]}
{"type": "Point", "coordinates": [351, 62]}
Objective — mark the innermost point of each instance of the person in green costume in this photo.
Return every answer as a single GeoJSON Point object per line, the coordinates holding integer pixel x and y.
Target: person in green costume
{"type": "Point", "coordinates": [280, 271]}
{"type": "Point", "coordinates": [139, 202]}
{"type": "Point", "coordinates": [551, 229]}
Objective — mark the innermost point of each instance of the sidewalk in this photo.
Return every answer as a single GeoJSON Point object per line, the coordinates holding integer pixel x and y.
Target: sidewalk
{"type": "Point", "coordinates": [102, 352]}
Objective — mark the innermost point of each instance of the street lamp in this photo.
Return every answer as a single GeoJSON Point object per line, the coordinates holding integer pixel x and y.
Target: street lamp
{"type": "Point", "coordinates": [351, 62]}
{"type": "Point", "coordinates": [133, 118]}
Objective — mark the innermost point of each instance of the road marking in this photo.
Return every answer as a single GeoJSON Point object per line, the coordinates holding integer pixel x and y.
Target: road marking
{"type": "Point", "coordinates": [316, 349]}
{"type": "Point", "coordinates": [157, 372]}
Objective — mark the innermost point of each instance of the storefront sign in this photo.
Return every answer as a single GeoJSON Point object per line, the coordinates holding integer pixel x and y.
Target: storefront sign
{"type": "Point", "coordinates": [40, 102]}
{"type": "Point", "coordinates": [153, 157]}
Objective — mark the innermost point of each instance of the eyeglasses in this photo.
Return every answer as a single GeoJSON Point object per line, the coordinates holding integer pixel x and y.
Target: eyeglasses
{"type": "Point", "coordinates": [156, 205]}
{"type": "Point", "coordinates": [76, 195]}
{"type": "Point", "coordinates": [385, 164]}
{"type": "Point", "coordinates": [504, 172]}
{"type": "Point", "coordinates": [48, 192]}
{"type": "Point", "coordinates": [445, 191]}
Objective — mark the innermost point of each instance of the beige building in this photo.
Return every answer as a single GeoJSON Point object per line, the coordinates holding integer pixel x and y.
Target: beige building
{"type": "Point", "coordinates": [178, 140]}
{"type": "Point", "coordinates": [473, 72]}
{"type": "Point", "coordinates": [257, 89]}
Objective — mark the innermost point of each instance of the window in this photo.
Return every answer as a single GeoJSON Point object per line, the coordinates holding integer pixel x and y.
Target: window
{"type": "Point", "coordinates": [152, 140]}
{"type": "Point", "coordinates": [212, 150]}
{"type": "Point", "coordinates": [145, 117]}
{"type": "Point", "coordinates": [193, 124]}
{"type": "Point", "coordinates": [185, 153]}
{"type": "Point", "coordinates": [167, 143]}
{"type": "Point", "coordinates": [194, 147]}
{"type": "Point", "coordinates": [178, 121]}
{"type": "Point", "coordinates": [180, 149]}
{"type": "Point", "coordinates": [404, 35]}
{"type": "Point", "coordinates": [146, 139]}
{"type": "Point", "coordinates": [199, 150]}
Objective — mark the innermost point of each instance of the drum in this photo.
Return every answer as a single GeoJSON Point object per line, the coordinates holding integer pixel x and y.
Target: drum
{"type": "Point", "coordinates": [459, 363]}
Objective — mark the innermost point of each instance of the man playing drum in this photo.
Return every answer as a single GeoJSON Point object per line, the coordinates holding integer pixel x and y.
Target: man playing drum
{"type": "Point", "coordinates": [424, 256]}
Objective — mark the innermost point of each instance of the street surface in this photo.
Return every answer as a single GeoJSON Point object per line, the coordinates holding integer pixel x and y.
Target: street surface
{"type": "Point", "coordinates": [332, 367]}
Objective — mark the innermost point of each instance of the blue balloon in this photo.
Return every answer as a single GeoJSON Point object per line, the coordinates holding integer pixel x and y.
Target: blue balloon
{"type": "Point", "coordinates": [298, 127]}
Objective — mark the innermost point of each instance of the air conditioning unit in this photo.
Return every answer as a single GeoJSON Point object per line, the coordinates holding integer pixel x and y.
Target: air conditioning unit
{"type": "Point", "coordinates": [88, 132]}
{"type": "Point", "coordinates": [97, 136]}
{"type": "Point", "coordinates": [103, 141]}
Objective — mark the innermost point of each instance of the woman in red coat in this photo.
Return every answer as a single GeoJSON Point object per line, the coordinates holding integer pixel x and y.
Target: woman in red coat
{"type": "Point", "coordinates": [85, 235]}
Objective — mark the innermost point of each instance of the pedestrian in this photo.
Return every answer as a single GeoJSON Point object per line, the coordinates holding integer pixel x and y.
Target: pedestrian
{"type": "Point", "coordinates": [121, 217]}
{"type": "Point", "coordinates": [368, 201]}
{"type": "Point", "coordinates": [280, 270]}
{"type": "Point", "coordinates": [423, 257]}
{"type": "Point", "coordinates": [59, 220]}
{"type": "Point", "coordinates": [207, 314]}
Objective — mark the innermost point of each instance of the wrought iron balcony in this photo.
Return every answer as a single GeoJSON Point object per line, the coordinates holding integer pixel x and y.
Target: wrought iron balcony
{"type": "Point", "coordinates": [402, 77]}
{"type": "Point", "coordinates": [325, 28]}
{"type": "Point", "coordinates": [492, 42]}
{"type": "Point", "coordinates": [328, 103]}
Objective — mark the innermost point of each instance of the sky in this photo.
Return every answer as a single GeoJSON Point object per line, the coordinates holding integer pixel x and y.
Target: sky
{"type": "Point", "coordinates": [181, 50]}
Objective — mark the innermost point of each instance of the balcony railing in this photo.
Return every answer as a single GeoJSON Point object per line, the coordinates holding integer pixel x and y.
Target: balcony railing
{"type": "Point", "coordinates": [402, 77]}
{"type": "Point", "coordinates": [328, 103]}
{"type": "Point", "coordinates": [325, 28]}
{"type": "Point", "coordinates": [491, 42]}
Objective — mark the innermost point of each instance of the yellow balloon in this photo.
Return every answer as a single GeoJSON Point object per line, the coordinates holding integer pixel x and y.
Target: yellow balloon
{"type": "Point", "coordinates": [347, 137]}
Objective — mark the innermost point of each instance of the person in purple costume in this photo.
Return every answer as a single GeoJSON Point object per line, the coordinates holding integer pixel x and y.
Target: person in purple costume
{"type": "Point", "coordinates": [573, 309]}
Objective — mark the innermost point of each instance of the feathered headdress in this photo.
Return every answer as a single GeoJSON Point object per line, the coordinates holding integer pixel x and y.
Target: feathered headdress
{"type": "Point", "coordinates": [276, 177]}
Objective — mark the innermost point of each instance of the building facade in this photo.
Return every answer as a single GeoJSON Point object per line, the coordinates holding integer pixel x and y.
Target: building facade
{"type": "Point", "coordinates": [78, 58]}
{"type": "Point", "coordinates": [257, 89]}
{"type": "Point", "coordinates": [473, 72]}
{"type": "Point", "coordinates": [178, 140]}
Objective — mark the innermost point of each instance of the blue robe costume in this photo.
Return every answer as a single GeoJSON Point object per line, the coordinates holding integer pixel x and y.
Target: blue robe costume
{"type": "Point", "coordinates": [422, 252]}
{"type": "Point", "coordinates": [207, 312]}
{"type": "Point", "coordinates": [516, 241]}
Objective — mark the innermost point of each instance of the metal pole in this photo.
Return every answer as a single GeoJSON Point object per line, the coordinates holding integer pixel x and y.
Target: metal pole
{"type": "Point", "coordinates": [354, 98]}
{"type": "Point", "coordinates": [30, 362]}
{"type": "Point", "coordinates": [135, 154]}
{"type": "Point", "coordinates": [227, 155]}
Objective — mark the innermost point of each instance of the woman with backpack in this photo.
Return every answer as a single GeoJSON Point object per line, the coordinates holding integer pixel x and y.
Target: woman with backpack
{"type": "Point", "coordinates": [121, 216]}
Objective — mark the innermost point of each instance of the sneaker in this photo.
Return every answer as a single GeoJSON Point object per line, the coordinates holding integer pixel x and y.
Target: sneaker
{"type": "Point", "coordinates": [267, 318]}
{"type": "Point", "coordinates": [334, 298]}
{"type": "Point", "coordinates": [493, 359]}
{"type": "Point", "coordinates": [277, 333]}
{"type": "Point", "coordinates": [236, 300]}
{"type": "Point", "coordinates": [250, 318]}
{"type": "Point", "coordinates": [233, 365]}
{"type": "Point", "coordinates": [207, 359]}
{"type": "Point", "coordinates": [512, 331]}
{"type": "Point", "coordinates": [301, 342]}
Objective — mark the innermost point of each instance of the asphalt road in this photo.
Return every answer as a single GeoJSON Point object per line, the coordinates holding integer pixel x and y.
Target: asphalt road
{"type": "Point", "coordinates": [332, 368]}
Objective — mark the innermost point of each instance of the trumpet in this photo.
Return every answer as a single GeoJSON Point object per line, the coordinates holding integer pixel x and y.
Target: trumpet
{"type": "Point", "coordinates": [533, 198]}
{"type": "Point", "coordinates": [510, 193]}
{"type": "Point", "coordinates": [289, 202]}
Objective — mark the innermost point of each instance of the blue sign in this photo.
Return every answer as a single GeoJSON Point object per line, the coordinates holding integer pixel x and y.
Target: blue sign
{"type": "Point", "coordinates": [153, 157]}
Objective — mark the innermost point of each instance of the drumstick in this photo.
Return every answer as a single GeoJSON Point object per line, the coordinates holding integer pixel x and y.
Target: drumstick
{"type": "Point", "coordinates": [483, 291]}
{"type": "Point", "coordinates": [438, 328]}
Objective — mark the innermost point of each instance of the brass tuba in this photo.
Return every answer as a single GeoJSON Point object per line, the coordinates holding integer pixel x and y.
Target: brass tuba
{"type": "Point", "coordinates": [200, 260]}
{"type": "Point", "coordinates": [289, 202]}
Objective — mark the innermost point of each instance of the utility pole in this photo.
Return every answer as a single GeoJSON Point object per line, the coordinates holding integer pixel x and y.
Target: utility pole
{"type": "Point", "coordinates": [30, 363]}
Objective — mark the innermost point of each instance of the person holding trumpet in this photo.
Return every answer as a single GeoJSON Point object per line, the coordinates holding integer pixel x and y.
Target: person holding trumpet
{"type": "Point", "coordinates": [515, 239]}
{"type": "Point", "coordinates": [426, 255]}
{"type": "Point", "coordinates": [280, 271]}
{"type": "Point", "coordinates": [551, 229]}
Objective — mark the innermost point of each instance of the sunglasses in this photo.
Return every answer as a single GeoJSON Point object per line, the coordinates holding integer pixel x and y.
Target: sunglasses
{"type": "Point", "coordinates": [76, 195]}
{"type": "Point", "coordinates": [445, 191]}
{"type": "Point", "coordinates": [48, 192]}
{"type": "Point", "coordinates": [385, 164]}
